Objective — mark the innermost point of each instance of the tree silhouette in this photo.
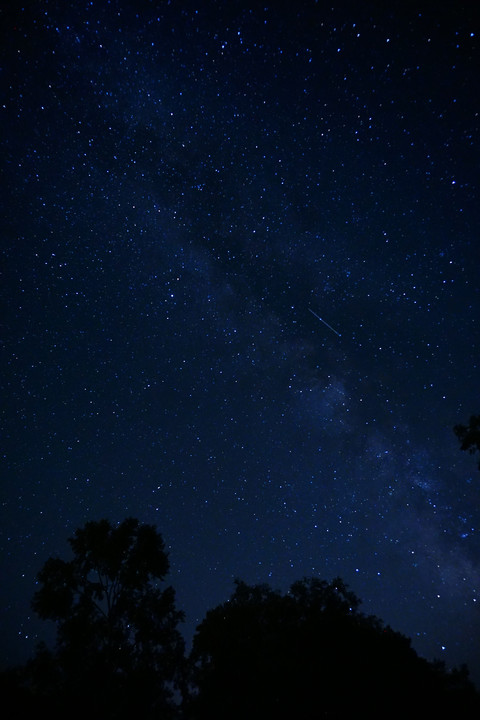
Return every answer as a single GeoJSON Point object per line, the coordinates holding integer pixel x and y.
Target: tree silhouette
{"type": "Point", "coordinates": [469, 435]}
{"type": "Point", "coordinates": [311, 654]}
{"type": "Point", "coordinates": [118, 650]}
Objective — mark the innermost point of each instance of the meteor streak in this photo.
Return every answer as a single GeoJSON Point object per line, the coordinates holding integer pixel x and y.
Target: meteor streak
{"type": "Point", "coordinates": [325, 323]}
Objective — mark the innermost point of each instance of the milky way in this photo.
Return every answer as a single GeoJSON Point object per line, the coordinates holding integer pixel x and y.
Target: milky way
{"type": "Point", "coordinates": [182, 184]}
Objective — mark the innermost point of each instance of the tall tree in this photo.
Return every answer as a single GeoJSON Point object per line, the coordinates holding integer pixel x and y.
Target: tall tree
{"type": "Point", "coordinates": [469, 435]}
{"type": "Point", "coordinates": [118, 650]}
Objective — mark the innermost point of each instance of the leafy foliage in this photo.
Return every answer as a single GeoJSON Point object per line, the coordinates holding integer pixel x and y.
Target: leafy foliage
{"type": "Point", "coordinates": [469, 435]}
{"type": "Point", "coordinates": [308, 653]}
{"type": "Point", "coordinates": [311, 654]}
{"type": "Point", "coordinates": [117, 637]}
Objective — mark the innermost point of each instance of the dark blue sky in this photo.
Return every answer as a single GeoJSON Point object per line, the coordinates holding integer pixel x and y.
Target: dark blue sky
{"type": "Point", "coordinates": [185, 185]}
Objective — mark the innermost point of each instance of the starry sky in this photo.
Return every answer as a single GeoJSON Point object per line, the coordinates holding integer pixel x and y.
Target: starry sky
{"type": "Point", "coordinates": [240, 299]}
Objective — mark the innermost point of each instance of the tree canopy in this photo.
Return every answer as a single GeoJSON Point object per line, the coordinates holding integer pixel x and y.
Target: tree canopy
{"type": "Point", "coordinates": [311, 653]}
{"type": "Point", "coordinates": [307, 653]}
{"type": "Point", "coordinates": [118, 647]}
{"type": "Point", "coordinates": [469, 435]}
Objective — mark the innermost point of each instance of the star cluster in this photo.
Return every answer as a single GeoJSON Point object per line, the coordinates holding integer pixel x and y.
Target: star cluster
{"type": "Point", "coordinates": [187, 189]}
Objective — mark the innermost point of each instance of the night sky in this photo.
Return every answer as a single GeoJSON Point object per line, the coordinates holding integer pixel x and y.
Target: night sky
{"type": "Point", "coordinates": [240, 299]}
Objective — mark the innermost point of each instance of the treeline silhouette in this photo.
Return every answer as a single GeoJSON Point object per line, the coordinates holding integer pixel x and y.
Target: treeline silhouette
{"type": "Point", "coordinates": [304, 654]}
